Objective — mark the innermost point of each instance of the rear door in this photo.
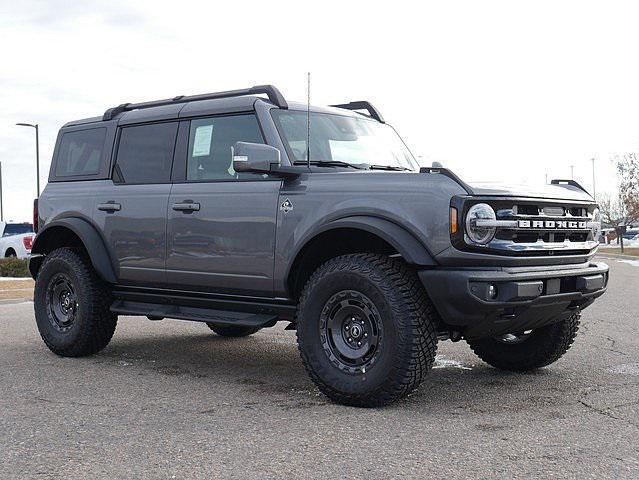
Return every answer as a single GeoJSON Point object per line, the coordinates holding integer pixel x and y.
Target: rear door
{"type": "Point", "coordinates": [221, 224]}
{"type": "Point", "coordinates": [131, 208]}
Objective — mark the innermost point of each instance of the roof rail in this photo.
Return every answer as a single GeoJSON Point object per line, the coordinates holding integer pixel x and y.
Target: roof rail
{"type": "Point", "coordinates": [558, 181]}
{"type": "Point", "coordinates": [273, 94]}
{"type": "Point", "coordinates": [362, 105]}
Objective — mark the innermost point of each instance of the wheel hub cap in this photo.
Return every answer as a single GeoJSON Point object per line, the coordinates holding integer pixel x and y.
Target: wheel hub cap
{"type": "Point", "coordinates": [62, 302]}
{"type": "Point", "coordinates": [351, 331]}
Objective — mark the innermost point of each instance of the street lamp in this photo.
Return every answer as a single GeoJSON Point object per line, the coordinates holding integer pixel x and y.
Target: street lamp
{"type": "Point", "coordinates": [37, 153]}
{"type": "Point", "coordinates": [1, 199]}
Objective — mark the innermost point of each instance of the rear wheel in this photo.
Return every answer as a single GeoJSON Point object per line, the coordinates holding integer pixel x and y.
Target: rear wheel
{"type": "Point", "coordinates": [523, 351]}
{"type": "Point", "coordinates": [233, 330]}
{"type": "Point", "coordinates": [366, 330]}
{"type": "Point", "coordinates": [72, 305]}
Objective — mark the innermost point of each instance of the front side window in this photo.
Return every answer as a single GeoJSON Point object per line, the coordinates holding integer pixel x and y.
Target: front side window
{"type": "Point", "coordinates": [339, 138]}
{"type": "Point", "coordinates": [80, 153]}
{"type": "Point", "coordinates": [210, 142]}
{"type": "Point", "coordinates": [145, 153]}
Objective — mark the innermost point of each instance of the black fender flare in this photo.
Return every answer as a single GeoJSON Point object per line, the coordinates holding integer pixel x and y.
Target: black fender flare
{"type": "Point", "coordinates": [90, 238]}
{"type": "Point", "coordinates": [409, 247]}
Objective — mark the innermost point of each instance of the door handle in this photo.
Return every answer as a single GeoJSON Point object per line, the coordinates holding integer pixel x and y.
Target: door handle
{"type": "Point", "coordinates": [110, 207]}
{"type": "Point", "coordinates": [186, 207]}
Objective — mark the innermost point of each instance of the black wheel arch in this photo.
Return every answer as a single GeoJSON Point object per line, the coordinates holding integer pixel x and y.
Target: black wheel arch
{"type": "Point", "coordinates": [73, 232]}
{"type": "Point", "coordinates": [396, 237]}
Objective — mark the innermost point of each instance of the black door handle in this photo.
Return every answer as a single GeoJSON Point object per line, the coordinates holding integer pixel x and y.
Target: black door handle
{"type": "Point", "coordinates": [186, 207]}
{"type": "Point", "coordinates": [109, 207]}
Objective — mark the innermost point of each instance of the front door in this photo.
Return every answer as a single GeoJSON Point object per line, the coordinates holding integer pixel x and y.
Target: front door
{"type": "Point", "coordinates": [221, 224]}
{"type": "Point", "coordinates": [131, 208]}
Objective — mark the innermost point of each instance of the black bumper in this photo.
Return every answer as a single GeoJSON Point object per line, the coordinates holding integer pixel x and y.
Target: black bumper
{"type": "Point", "coordinates": [521, 298]}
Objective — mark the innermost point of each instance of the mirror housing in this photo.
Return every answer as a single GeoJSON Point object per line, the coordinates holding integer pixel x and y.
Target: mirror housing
{"type": "Point", "coordinates": [255, 157]}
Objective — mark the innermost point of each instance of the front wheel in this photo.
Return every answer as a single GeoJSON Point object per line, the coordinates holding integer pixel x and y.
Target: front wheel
{"type": "Point", "coordinates": [524, 351]}
{"type": "Point", "coordinates": [366, 330]}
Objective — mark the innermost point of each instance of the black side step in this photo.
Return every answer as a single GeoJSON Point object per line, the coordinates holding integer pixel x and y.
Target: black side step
{"type": "Point", "coordinates": [220, 317]}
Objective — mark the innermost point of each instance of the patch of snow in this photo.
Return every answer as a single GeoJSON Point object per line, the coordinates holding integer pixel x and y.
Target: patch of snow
{"type": "Point", "coordinates": [13, 302]}
{"type": "Point", "coordinates": [7, 279]}
{"type": "Point", "coordinates": [443, 362]}
{"type": "Point", "coordinates": [634, 263]}
{"type": "Point", "coordinates": [626, 369]}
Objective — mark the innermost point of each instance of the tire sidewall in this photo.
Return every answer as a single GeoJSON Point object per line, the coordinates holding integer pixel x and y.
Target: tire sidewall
{"type": "Point", "coordinates": [61, 340]}
{"type": "Point", "coordinates": [376, 375]}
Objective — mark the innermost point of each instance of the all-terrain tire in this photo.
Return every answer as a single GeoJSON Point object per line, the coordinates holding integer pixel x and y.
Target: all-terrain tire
{"type": "Point", "coordinates": [407, 342]}
{"type": "Point", "coordinates": [233, 330]}
{"type": "Point", "coordinates": [543, 346]}
{"type": "Point", "coordinates": [91, 324]}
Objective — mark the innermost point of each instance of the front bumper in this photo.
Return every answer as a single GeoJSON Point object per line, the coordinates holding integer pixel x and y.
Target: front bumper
{"type": "Point", "coordinates": [521, 298]}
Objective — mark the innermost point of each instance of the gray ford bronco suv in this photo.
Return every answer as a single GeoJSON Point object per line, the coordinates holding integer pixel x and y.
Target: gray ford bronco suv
{"type": "Point", "coordinates": [217, 208]}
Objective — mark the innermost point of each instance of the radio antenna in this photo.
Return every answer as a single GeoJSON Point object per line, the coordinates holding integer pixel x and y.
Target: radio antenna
{"type": "Point", "coordinates": [308, 119]}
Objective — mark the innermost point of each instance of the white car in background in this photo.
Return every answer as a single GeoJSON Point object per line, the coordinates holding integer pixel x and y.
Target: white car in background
{"type": "Point", "coordinates": [16, 239]}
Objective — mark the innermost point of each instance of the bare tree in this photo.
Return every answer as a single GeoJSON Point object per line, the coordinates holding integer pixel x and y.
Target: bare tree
{"type": "Point", "coordinates": [628, 171]}
{"type": "Point", "coordinates": [614, 212]}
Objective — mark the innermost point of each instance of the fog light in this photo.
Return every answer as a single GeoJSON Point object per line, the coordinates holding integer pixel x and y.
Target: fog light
{"type": "Point", "coordinates": [492, 291]}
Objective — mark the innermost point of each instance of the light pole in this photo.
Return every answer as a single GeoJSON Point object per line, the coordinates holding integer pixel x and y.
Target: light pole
{"type": "Point", "coordinates": [572, 172]}
{"type": "Point", "coordinates": [594, 193]}
{"type": "Point", "coordinates": [37, 153]}
{"type": "Point", "coordinates": [1, 199]}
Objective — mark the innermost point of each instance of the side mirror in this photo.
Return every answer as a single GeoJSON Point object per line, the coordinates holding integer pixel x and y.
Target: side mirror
{"type": "Point", "coordinates": [255, 157]}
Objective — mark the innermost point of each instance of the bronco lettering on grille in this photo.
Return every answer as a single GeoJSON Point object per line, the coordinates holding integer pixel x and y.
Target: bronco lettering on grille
{"type": "Point", "coordinates": [550, 224]}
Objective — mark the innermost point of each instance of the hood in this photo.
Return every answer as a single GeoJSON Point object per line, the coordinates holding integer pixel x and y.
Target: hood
{"type": "Point", "coordinates": [558, 192]}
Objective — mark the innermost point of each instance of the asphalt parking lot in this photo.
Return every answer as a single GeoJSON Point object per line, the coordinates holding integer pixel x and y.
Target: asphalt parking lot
{"type": "Point", "coordinates": [171, 400]}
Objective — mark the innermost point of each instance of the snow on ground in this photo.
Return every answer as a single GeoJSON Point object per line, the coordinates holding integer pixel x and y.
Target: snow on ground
{"type": "Point", "coordinates": [634, 263]}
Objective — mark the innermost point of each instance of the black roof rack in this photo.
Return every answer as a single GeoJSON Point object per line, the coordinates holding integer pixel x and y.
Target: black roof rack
{"type": "Point", "coordinates": [273, 94]}
{"type": "Point", "coordinates": [362, 105]}
{"type": "Point", "coordinates": [558, 181]}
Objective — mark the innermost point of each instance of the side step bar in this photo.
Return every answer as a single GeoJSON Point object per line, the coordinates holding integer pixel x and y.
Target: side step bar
{"type": "Point", "coordinates": [220, 317]}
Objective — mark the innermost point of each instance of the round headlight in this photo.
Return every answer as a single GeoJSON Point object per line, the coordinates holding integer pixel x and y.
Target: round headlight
{"type": "Point", "coordinates": [596, 224]}
{"type": "Point", "coordinates": [478, 233]}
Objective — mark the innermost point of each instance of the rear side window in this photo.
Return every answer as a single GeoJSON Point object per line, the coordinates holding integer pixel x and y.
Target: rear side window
{"type": "Point", "coordinates": [80, 153]}
{"type": "Point", "coordinates": [145, 153]}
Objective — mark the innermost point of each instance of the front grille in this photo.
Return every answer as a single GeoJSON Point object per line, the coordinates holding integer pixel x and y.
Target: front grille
{"type": "Point", "coordinates": [534, 227]}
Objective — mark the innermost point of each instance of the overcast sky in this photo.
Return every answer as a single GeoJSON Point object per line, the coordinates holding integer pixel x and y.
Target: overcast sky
{"type": "Point", "coordinates": [499, 91]}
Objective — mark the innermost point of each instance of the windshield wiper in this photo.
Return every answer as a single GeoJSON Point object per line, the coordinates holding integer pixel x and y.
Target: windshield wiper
{"type": "Point", "coordinates": [335, 163]}
{"type": "Point", "coordinates": [392, 168]}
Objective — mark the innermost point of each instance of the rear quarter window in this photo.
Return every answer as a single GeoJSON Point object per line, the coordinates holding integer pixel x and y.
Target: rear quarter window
{"type": "Point", "coordinates": [80, 153]}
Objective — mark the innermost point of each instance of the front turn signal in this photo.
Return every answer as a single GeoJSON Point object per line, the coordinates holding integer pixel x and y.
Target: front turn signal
{"type": "Point", "coordinates": [453, 220]}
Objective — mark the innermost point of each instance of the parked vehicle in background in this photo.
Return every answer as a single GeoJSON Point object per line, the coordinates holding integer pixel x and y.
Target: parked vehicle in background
{"type": "Point", "coordinates": [208, 208]}
{"type": "Point", "coordinates": [16, 239]}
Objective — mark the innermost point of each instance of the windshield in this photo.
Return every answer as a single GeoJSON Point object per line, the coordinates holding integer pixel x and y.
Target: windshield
{"type": "Point", "coordinates": [339, 138]}
{"type": "Point", "coordinates": [17, 229]}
